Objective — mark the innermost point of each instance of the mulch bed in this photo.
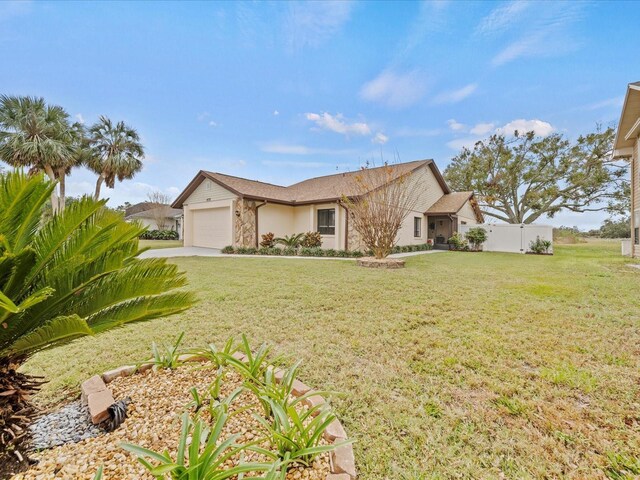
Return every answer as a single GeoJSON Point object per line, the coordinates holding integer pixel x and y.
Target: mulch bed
{"type": "Point", "coordinates": [158, 400]}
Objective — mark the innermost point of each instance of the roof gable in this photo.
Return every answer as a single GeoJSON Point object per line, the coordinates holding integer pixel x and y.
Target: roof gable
{"type": "Point", "coordinates": [451, 203]}
{"type": "Point", "coordinates": [625, 136]}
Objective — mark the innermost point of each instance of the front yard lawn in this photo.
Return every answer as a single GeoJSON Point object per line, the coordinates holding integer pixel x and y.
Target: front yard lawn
{"type": "Point", "coordinates": [155, 244]}
{"type": "Point", "coordinates": [461, 365]}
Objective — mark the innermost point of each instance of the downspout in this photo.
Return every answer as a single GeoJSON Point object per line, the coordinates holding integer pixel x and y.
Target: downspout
{"type": "Point", "coordinates": [257, 207]}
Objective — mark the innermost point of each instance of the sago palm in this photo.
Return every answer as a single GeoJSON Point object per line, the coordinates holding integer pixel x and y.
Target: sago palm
{"type": "Point", "coordinates": [115, 152]}
{"type": "Point", "coordinates": [41, 138]}
{"type": "Point", "coordinates": [64, 277]}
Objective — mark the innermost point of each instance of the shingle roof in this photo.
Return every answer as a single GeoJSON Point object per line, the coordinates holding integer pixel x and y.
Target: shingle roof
{"type": "Point", "coordinates": [450, 203]}
{"type": "Point", "coordinates": [328, 187]}
{"type": "Point", "coordinates": [169, 212]}
{"type": "Point", "coordinates": [138, 207]}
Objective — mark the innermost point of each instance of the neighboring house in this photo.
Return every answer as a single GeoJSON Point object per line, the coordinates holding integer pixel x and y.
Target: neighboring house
{"type": "Point", "coordinates": [148, 214]}
{"type": "Point", "coordinates": [627, 145]}
{"type": "Point", "coordinates": [222, 210]}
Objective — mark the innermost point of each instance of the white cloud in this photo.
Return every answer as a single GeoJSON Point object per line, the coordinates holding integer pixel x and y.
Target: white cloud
{"type": "Point", "coordinates": [380, 138]}
{"type": "Point", "coordinates": [540, 127]}
{"type": "Point", "coordinates": [615, 102]}
{"type": "Point", "coordinates": [213, 124]}
{"type": "Point", "coordinates": [482, 128]}
{"type": "Point", "coordinates": [543, 32]}
{"type": "Point", "coordinates": [396, 90]}
{"type": "Point", "coordinates": [292, 149]}
{"type": "Point", "coordinates": [460, 143]}
{"type": "Point", "coordinates": [455, 96]}
{"type": "Point", "coordinates": [310, 24]}
{"type": "Point", "coordinates": [336, 124]}
{"type": "Point", "coordinates": [276, 113]}
{"type": "Point", "coordinates": [455, 126]}
{"type": "Point", "coordinates": [80, 118]}
{"type": "Point", "coordinates": [203, 116]}
{"type": "Point", "coordinates": [502, 17]}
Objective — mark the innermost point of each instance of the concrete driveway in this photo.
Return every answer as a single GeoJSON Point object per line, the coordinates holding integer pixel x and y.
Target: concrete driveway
{"type": "Point", "coordinates": [181, 252]}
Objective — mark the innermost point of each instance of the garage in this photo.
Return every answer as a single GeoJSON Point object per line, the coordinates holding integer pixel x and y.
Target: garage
{"type": "Point", "coordinates": [211, 227]}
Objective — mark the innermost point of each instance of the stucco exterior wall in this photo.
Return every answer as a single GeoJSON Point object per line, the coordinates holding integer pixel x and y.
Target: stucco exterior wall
{"type": "Point", "coordinates": [209, 191]}
{"type": "Point", "coordinates": [275, 218]}
{"type": "Point", "coordinates": [428, 191]}
{"type": "Point", "coordinates": [466, 214]}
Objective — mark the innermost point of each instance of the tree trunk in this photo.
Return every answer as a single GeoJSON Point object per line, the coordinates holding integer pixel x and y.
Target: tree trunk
{"type": "Point", "coordinates": [61, 185]}
{"type": "Point", "coordinates": [54, 195]}
{"type": "Point", "coordinates": [98, 185]}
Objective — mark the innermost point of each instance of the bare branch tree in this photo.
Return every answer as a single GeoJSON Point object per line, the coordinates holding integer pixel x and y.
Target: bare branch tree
{"type": "Point", "coordinates": [160, 209]}
{"type": "Point", "coordinates": [383, 199]}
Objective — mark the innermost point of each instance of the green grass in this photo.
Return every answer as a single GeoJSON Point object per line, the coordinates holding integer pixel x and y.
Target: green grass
{"type": "Point", "coordinates": [155, 244]}
{"type": "Point", "coordinates": [460, 365]}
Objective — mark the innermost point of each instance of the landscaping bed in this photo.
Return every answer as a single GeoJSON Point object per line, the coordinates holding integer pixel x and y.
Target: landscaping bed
{"type": "Point", "coordinates": [233, 393]}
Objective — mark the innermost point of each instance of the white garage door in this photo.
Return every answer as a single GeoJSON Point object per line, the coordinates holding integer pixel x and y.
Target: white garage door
{"type": "Point", "coordinates": [212, 227]}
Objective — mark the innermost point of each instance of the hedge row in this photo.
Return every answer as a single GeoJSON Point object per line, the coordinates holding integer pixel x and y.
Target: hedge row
{"type": "Point", "coordinates": [316, 251]}
{"type": "Point", "coordinates": [292, 252]}
{"type": "Point", "coordinates": [159, 235]}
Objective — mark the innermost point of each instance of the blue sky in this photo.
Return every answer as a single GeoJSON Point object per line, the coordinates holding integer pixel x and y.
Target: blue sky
{"type": "Point", "coordinates": [281, 91]}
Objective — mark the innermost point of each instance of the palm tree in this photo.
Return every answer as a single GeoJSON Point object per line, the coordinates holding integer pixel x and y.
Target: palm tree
{"type": "Point", "coordinates": [116, 152]}
{"type": "Point", "coordinates": [67, 276]}
{"type": "Point", "coordinates": [39, 137]}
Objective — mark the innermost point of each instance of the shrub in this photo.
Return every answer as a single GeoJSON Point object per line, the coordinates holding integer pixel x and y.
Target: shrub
{"type": "Point", "coordinates": [312, 252]}
{"type": "Point", "coordinates": [476, 237]}
{"type": "Point", "coordinates": [289, 251]}
{"type": "Point", "coordinates": [458, 242]}
{"type": "Point", "coordinates": [169, 356]}
{"type": "Point", "coordinates": [355, 253]}
{"type": "Point", "coordinates": [201, 454]}
{"type": "Point", "coordinates": [296, 435]}
{"type": "Point", "coordinates": [67, 276]}
{"type": "Point", "coordinates": [254, 366]}
{"type": "Point", "coordinates": [268, 240]}
{"type": "Point", "coordinates": [228, 249]}
{"type": "Point", "coordinates": [159, 235]}
{"type": "Point", "coordinates": [291, 241]}
{"type": "Point", "coordinates": [539, 246]}
{"type": "Point", "coordinates": [311, 240]}
{"type": "Point", "coordinates": [330, 252]}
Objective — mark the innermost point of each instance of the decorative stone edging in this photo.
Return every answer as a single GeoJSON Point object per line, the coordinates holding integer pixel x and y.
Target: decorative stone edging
{"type": "Point", "coordinates": [372, 262]}
{"type": "Point", "coordinates": [341, 460]}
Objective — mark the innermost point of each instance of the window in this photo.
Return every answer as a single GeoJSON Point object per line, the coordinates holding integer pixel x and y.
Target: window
{"type": "Point", "coordinates": [463, 223]}
{"type": "Point", "coordinates": [417, 227]}
{"type": "Point", "coordinates": [636, 236]}
{"type": "Point", "coordinates": [327, 221]}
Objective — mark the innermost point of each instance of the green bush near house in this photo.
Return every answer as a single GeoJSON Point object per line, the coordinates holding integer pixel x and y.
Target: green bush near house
{"type": "Point", "coordinates": [476, 237]}
{"type": "Point", "coordinates": [159, 235]}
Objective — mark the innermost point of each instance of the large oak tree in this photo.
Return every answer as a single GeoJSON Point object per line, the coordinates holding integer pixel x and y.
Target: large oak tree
{"type": "Point", "coordinates": [522, 177]}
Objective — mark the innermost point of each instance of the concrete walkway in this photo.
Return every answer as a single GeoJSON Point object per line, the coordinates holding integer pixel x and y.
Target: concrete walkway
{"type": "Point", "coordinates": [412, 254]}
{"type": "Point", "coordinates": [214, 252]}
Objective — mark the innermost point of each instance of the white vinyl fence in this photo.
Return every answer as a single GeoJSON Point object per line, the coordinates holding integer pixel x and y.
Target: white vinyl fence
{"type": "Point", "coordinates": [505, 237]}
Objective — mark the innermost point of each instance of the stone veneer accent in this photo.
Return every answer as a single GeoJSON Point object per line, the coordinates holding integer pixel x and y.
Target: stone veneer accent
{"type": "Point", "coordinates": [244, 225]}
{"type": "Point", "coordinates": [372, 262]}
{"type": "Point", "coordinates": [341, 460]}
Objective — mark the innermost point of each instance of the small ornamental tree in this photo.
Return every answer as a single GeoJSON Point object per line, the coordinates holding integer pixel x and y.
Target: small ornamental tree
{"type": "Point", "coordinates": [383, 198]}
{"type": "Point", "coordinates": [476, 237]}
{"type": "Point", "coordinates": [160, 209]}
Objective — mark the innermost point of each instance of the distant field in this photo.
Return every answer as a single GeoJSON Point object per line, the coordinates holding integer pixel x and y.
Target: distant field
{"type": "Point", "coordinates": [461, 365]}
{"type": "Point", "coordinates": [160, 243]}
